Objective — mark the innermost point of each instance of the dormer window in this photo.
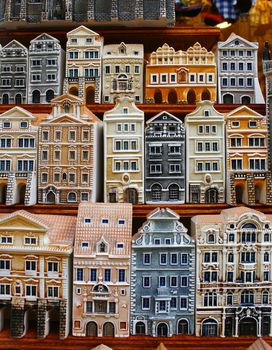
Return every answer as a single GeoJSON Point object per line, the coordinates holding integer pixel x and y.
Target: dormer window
{"type": "Point", "coordinates": [120, 245]}
{"type": "Point", "coordinates": [104, 221]}
{"type": "Point", "coordinates": [125, 110]}
{"type": "Point", "coordinates": [121, 222]}
{"type": "Point", "coordinates": [211, 238]}
{"type": "Point", "coordinates": [84, 244]}
{"type": "Point", "coordinates": [66, 107]}
{"type": "Point", "coordinates": [23, 125]}
{"type": "Point", "coordinates": [206, 113]}
{"type": "Point", "coordinates": [102, 247]}
{"type": "Point", "coordinates": [87, 221]}
{"type": "Point", "coordinates": [30, 240]}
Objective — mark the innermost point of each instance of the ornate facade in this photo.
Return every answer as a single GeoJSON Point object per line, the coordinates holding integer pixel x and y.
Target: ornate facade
{"type": "Point", "coordinates": [233, 279]}
{"type": "Point", "coordinates": [69, 161]}
{"type": "Point", "coordinates": [101, 287]}
{"type": "Point", "coordinates": [164, 159]}
{"type": "Point", "coordinates": [180, 76]}
{"type": "Point", "coordinates": [84, 64]}
{"type": "Point", "coordinates": [14, 70]}
{"type": "Point", "coordinates": [162, 277]}
{"type": "Point", "coordinates": [124, 153]}
{"type": "Point", "coordinates": [46, 69]}
{"type": "Point", "coordinates": [94, 12]}
{"type": "Point", "coordinates": [238, 71]}
{"type": "Point", "coordinates": [18, 157]}
{"type": "Point", "coordinates": [123, 71]}
{"type": "Point", "coordinates": [35, 269]}
{"type": "Point", "coordinates": [205, 150]}
{"type": "Point", "coordinates": [248, 178]}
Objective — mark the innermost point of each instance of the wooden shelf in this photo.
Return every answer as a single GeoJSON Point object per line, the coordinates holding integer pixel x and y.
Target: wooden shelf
{"type": "Point", "coordinates": [181, 38]}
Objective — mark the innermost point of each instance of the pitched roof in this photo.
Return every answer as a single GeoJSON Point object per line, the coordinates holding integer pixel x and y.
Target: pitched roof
{"type": "Point", "coordinates": [82, 29]}
{"type": "Point", "coordinates": [170, 116]}
{"type": "Point", "coordinates": [260, 344]}
{"type": "Point", "coordinates": [18, 110]}
{"type": "Point", "coordinates": [111, 232]}
{"type": "Point", "coordinates": [44, 36]}
{"type": "Point", "coordinates": [102, 347]}
{"type": "Point", "coordinates": [161, 347]}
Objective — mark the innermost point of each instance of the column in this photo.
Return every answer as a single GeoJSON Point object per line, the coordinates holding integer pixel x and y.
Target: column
{"type": "Point", "coordinates": [270, 333]}
{"type": "Point", "coordinates": [223, 323]}
{"type": "Point", "coordinates": [236, 326]}
{"type": "Point", "coordinates": [259, 331]}
{"type": "Point", "coordinates": [42, 284]}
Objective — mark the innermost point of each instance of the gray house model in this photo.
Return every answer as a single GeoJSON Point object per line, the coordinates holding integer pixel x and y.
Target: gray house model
{"type": "Point", "coordinates": [164, 159]}
{"type": "Point", "coordinates": [238, 71]}
{"type": "Point", "coordinates": [46, 69]}
{"type": "Point", "coordinates": [14, 67]}
{"type": "Point", "coordinates": [162, 277]}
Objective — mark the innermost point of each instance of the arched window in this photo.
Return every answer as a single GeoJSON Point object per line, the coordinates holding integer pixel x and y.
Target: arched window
{"type": "Point", "coordinates": [36, 96]}
{"type": "Point", "coordinates": [227, 98]}
{"type": "Point", "coordinates": [248, 234]}
{"type": "Point", "coordinates": [265, 298]}
{"type": "Point", "coordinates": [245, 100]}
{"type": "Point", "coordinates": [64, 176]}
{"type": "Point", "coordinates": [18, 99]}
{"type": "Point", "coordinates": [247, 297]}
{"type": "Point", "coordinates": [156, 191]}
{"type": "Point", "coordinates": [266, 237]}
{"type": "Point", "coordinates": [211, 238]}
{"type": "Point", "coordinates": [231, 257]}
{"type": "Point", "coordinates": [174, 192]}
{"type": "Point", "coordinates": [209, 328]}
{"type": "Point", "coordinates": [72, 197]}
{"type": "Point", "coordinates": [266, 256]}
{"type": "Point", "coordinates": [5, 99]}
{"type": "Point", "coordinates": [183, 327]}
{"type": "Point", "coordinates": [102, 247]}
{"type": "Point", "coordinates": [49, 95]}
{"type": "Point", "coordinates": [229, 299]}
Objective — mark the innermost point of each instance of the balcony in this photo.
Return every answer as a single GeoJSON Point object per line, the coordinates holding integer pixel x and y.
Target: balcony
{"type": "Point", "coordinates": [247, 266]}
{"type": "Point", "coordinates": [73, 80]}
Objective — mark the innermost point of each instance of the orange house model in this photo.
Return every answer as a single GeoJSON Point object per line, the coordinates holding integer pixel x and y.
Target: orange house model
{"type": "Point", "coordinates": [180, 76]}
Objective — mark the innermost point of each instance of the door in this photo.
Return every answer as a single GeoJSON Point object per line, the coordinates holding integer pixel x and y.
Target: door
{"type": "Point", "coordinates": [209, 328]}
{"type": "Point", "coordinates": [248, 326]}
{"type": "Point", "coordinates": [91, 329]}
{"type": "Point", "coordinates": [183, 327]}
{"type": "Point", "coordinates": [51, 198]}
{"type": "Point", "coordinates": [131, 196]}
{"type": "Point", "coordinates": [140, 328]}
{"type": "Point", "coordinates": [108, 329]}
{"type": "Point", "coordinates": [162, 330]}
{"type": "Point", "coordinates": [211, 196]}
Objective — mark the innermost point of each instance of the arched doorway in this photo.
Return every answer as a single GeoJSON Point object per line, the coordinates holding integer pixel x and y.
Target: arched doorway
{"type": "Point", "coordinates": [51, 197]}
{"type": "Point", "coordinates": [131, 196]}
{"type": "Point", "coordinates": [211, 196]}
{"type": "Point", "coordinates": [36, 96]}
{"type": "Point", "coordinates": [73, 91]}
{"type": "Point", "coordinates": [18, 99]}
{"type": "Point", "coordinates": [49, 95]}
{"type": "Point", "coordinates": [162, 330]}
{"type": "Point", "coordinates": [191, 97]}
{"type": "Point", "coordinates": [3, 194]}
{"type": "Point", "coordinates": [227, 98]}
{"type": "Point", "coordinates": [258, 194]}
{"type": "Point", "coordinates": [209, 328]}
{"type": "Point", "coordinates": [183, 327]}
{"type": "Point", "coordinates": [90, 95]}
{"type": "Point", "coordinates": [21, 193]}
{"type": "Point", "coordinates": [245, 100]}
{"type": "Point", "coordinates": [140, 328]}
{"type": "Point", "coordinates": [156, 192]}
{"type": "Point", "coordinates": [248, 326]}
{"type": "Point", "coordinates": [5, 99]}
{"type": "Point", "coordinates": [205, 95]}
{"type": "Point", "coordinates": [173, 192]}
{"type": "Point", "coordinates": [158, 96]}
{"type": "Point", "coordinates": [108, 329]}
{"type": "Point", "coordinates": [239, 193]}
{"type": "Point", "coordinates": [91, 329]}
{"type": "Point", "coordinates": [172, 97]}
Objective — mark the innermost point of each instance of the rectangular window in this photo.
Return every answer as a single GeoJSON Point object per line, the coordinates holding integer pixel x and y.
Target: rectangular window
{"type": "Point", "coordinates": [4, 289]}
{"type": "Point", "coordinates": [147, 258]}
{"type": "Point", "coordinates": [117, 69]}
{"type": "Point", "coordinates": [121, 275]}
{"type": "Point", "coordinates": [173, 281]}
{"type": "Point", "coordinates": [162, 281]}
{"type": "Point", "coordinates": [230, 276]}
{"type": "Point", "coordinates": [174, 258]}
{"type": "Point", "coordinates": [184, 259]}
{"type": "Point", "coordinates": [4, 264]}
{"type": "Point", "coordinates": [136, 69]}
{"type": "Point", "coordinates": [107, 69]}
{"type": "Point", "coordinates": [30, 240]}
{"type": "Point", "coordinates": [52, 266]}
{"type": "Point", "coordinates": [154, 78]}
{"type": "Point", "coordinates": [145, 303]}
{"type": "Point", "coordinates": [236, 164]}
{"type": "Point", "coordinates": [146, 281]}
{"type": "Point", "coordinates": [93, 275]}
{"type": "Point", "coordinates": [52, 292]}
{"type": "Point", "coordinates": [163, 259]}
{"type": "Point", "coordinates": [6, 239]}
{"type": "Point", "coordinates": [72, 155]}
{"type": "Point", "coordinates": [30, 265]}
{"type": "Point", "coordinates": [155, 169]}
{"type": "Point", "coordinates": [79, 274]}
{"type": "Point", "coordinates": [184, 281]}
{"type": "Point", "coordinates": [107, 275]}
{"type": "Point", "coordinates": [31, 290]}
{"type": "Point", "coordinates": [173, 303]}
{"type": "Point", "coordinates": [183, 303]}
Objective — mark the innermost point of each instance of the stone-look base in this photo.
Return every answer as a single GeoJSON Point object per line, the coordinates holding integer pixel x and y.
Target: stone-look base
{"type": "Point", "coordinates": [41, 326]}
{"type": "Point", "coordinates": [64, 323]}
{"type": "Point", "coordinates": [17, 318]}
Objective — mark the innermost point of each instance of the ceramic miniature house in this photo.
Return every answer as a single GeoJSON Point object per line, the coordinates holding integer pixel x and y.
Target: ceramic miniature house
{"type": "Point", "coordinates": [18, 157]}
{"type": "Point", "coordinates": [180, 76]}
{"type": "Point", "coordinates": [124, 153]}
{"type": "Point", "coordinates": [233, 273]}
{"type": "Point", "coordinates": [162, 277]}
{"type": "Point", "coordinates": [35, 260]}
{"type": "Point", "coordinates": [94, 12]}
{"type": "Point", "coordinates": [164, 159]}
{"type": "Point", "coordinates": [205, 150]}
{"type": "Point", "coordinates": [101, 287]}
{"type": "Point", "coordinates": [238, 71]}
{"type": "Point", "coordinates": [83, 64]}
{"type": "Point", "coordinates": [69, 146]}
{"type": "Point", "coordinates": [46, 69]}
{"type": "Point", "coordinates": [14, 68]}
{"type": "Point", "coordinates": [123, 69]}
{"type": "Point", "coordinates": [248, 178]}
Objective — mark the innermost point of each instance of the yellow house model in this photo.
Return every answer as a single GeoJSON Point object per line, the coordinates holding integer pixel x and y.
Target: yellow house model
{"type": "Point", "coordinates": [248, 179]}
{"type": "Point", "coordinates": [124, 153]}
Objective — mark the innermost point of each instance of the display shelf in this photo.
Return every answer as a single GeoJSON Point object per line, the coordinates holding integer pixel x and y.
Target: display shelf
{"type": "Point", "coordinates": [152, 38]}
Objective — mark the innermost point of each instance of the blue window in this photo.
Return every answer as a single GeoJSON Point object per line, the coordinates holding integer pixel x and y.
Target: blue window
{"type": "Point", "coordinates": [146, 303]}
{"type": "Point", "coordinates": [183, 303]}
{"type": "Point", "coordinates": [121, 275]}
{"type": "Point", "coordinates": [174, 258]}
{"type": "Point", "coordinates": [162, 281]}
{"type": "Point", "coordinates": [107, 275]}
{"type": "Point", "coordinates": [147, 258]}
{"type": "Point", "coordinates": [173, 303]}
{"type": "Point", "coordinates": [79, 274]}
{"type": "Point", "coordinates": [163, 259]}
{"type": "Point", "coordinates": [184, 259]}
{"type": "Point", "coordinates": [184, 281]}
{"type": "Point", "coordinates": [173, 281]}
{"type": "Point", "coordinates": [93, 275]}
{"type": "Point", "coordinates": [162, 305]}
{"type": "Point", "coordinates": [157, 241]}
{"type": "Point", "coordinates": [146, 281]}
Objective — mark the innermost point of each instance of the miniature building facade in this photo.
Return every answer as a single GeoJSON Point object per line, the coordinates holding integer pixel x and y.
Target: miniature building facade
{"type": "Point", "coordinates": [123, 69]}
{"type": "Point", "coordinates": [205, 150]}
{"type": "Point", "coordinates": [238, 71]}
{"type": "Point", "coordinates": [94, 12]}
{"type": "Point", "coordinates": [46, 69]}
{"type": "Point", "coordinates": [18, 157]}
{"type": "Point", "coordinates": [248, 178]}
{"type": "Point", "coordinates": [14, 68]}
{"type": "Point", "coordinates": [180, 76]}
{"type": "Point", "coordinates": [162, 277]}
{"type": "Point", "coordinates": [70, 141]}
{"type": "Point", "coordinates": [124, 153]}
{"type": "Point", "coordinates": [233, 273]}
{"type": "Point", "coordinates": [164, 159]}
{"type": "Point", "coordinates": [101, 287]}
{"type": "Point", "coordinates": [83, 64]}
{"type": "Point", "coordinates": [35, 258]}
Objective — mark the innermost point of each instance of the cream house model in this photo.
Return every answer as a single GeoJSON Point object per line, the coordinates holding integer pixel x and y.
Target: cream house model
{"type": "Point", "coordinates": [101, 287]}
{"type": "Point", "coordinates": [83, 64]}
{"type": "Point", "coordinates": [233, 281]}
{"type": "Point", "coordinates": [205, 161]}
{"type": "Point", "coordinates": [124, 153]}
{"type": "Point", "coordinates": [35, 269]}
{"type": "Point", "coordinates": [18, 157]}
{"type": "Point", "coordinates": [123, 69]}
{"type": "Point", "coordinates": [69, 162]}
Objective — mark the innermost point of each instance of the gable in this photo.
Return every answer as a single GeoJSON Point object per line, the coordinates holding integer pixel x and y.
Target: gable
{"type": "Point", "coordinates": [163, 213]}
{"type": "Point", "coordinates": [242, 42]}
{"type": "Point", "coordinates": [44, 37]}
{"type": "Point", "coordinates": [163, 117]}
{"type": "Point", "coordinates": [244, 111]}
{"type": "Point", "coordinates": [14, 44]}
{"type": "Point", "coordinates": [17, 112]}
{"type": "Point", "coordinates": [20, 223]}
{"type": "Point", "coordinates": [82, 31]}
{"type": "Point", "coordinates": [67, 98]}
{"type": "Point", "coordinates": [65, 119]}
